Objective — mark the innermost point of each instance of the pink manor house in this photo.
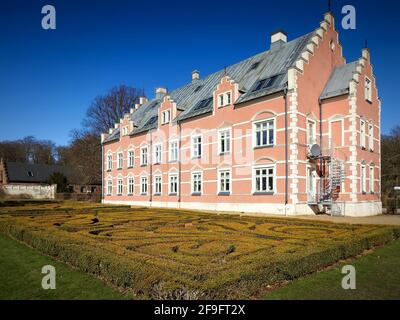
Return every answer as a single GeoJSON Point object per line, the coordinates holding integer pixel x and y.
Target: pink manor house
{"type": "Point", "coordinates": [291, 131]}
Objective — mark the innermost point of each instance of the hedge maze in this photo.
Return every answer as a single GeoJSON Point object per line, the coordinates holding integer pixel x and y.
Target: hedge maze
{"type": "Point", "coordinates": [177, 254]}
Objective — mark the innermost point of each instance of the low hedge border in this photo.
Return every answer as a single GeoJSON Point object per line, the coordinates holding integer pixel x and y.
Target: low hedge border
{"type": "Point", "coordinates": [146, 281]}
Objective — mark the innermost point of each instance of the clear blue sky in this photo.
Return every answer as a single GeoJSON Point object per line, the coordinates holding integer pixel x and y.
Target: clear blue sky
{"type": "Point", "coordinates": [49, 78]}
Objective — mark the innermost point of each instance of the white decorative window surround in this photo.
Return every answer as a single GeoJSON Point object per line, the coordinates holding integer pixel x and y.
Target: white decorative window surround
{"type": "Point", "coordinates": [173, 184]}
{"type": "Point", "coordinates": [120, 158]}
{"type": "Point", "coordinates": [368, 91]}
{"type": "Point", "coordinates": [109, 187]}
{"type": "Point", "coordinates": [157, 185]}
{"type": "Point", "coordinates": [371, 179]}
{"type": "Point", "coordinates": [362, 134]}
{"type": "Point", "coordinates": [143, 186]}
{"type": "Point", "coordinates": [131, 158]}
{"type": "Point", "coordinates": [225, 99]}
{"type": "Point", "coordinates": [143, 156]}
{"type": "Point", "coordinates": [224, 141]}
{"type": "Point", "coordinates": [166, 116]}
{"type": "Point", "coordinates": [196, 146]}
{"type": "Point", "coordinates": [157, 153]}
{"type": "Point", "coordinates": [119, 186]}
{"type": "Point", "coordinates": [371, 136]}
{"type": "Point", "coordinates": [311, 132]}
{"type": "Point", "coordinates": [363, 178]}
{"type": "Point", "coordinates": [173, 151]}
{"type": "Point", "coordinates": [264, 179]}
{"type": "Point", "coordinates": [109, 162]}
{"type": "Point", "coordinates": [197, 183]}
{"type": "Point", "coordinates": [264, 133]}
{"type": "Point", "coordinates": [125, 130]}
{"type": "Point", "coordinates": [131, 186]}
{"type": "Point", "coordinates": [224, 181]}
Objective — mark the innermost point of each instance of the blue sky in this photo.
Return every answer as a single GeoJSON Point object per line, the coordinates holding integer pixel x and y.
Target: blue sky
{"type": "Point", "coordinates": [49, 78]}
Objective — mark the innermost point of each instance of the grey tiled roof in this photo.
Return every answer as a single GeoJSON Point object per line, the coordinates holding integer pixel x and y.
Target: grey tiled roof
{"type": "Point", "coordinates": [35, 173]}
{"type": "Point", "coordinates": [339, 81]}
{"type": "Point", "coordinates": [268, 64]}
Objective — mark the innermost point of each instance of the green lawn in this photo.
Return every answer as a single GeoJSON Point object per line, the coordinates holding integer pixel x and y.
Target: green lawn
{"type": "Point", "coordinates": [378, 278]}
{"type": "Point", "coordinates": [21, 277]}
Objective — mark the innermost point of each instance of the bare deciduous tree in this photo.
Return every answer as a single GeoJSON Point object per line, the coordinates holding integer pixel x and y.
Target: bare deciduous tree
{"type": "Point", "coordinates": [107, 109]}
{"type": "Point", "coordinates": [28, 149]}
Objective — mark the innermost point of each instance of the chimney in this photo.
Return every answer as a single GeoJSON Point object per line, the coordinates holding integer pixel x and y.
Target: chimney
{"type": "Point", "coordinates": [160, 92]}
{"type": "Point", "coordinates": [195, 75]}
{"type": "Point", "coordinates": [278, 38]}
{"type": "Point", "coordinates": [142, 100]}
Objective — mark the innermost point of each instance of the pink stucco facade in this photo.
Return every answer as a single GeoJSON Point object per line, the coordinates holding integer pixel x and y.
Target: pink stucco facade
{"type": "Point", "coordinates": [234, 173]}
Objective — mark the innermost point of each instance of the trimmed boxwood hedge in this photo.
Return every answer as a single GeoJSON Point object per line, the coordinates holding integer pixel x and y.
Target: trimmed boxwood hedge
{"type": "Point", "coordinates": [150, 276]}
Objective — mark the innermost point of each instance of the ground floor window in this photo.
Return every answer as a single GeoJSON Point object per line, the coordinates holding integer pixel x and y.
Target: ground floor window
{"type": "Point", "coordinates": [264, 180]}
{"type": "Point", "coordinates": [224, 181]}
{"type": "Point", "coordinates": [371, 179]}
{"type": "Point", "coordinates": [363, 179]}
{"type": "Point", "coordinates": [173, 184]}
{"type": "Point", "coordinates": [143, 185]}
{"type": "Point", "coordinates": [157, 184]}
{"type": "Point", "coordinates": [131, 186]}
{"type": "Point", "coordinates": [196, 182]}
{"type": "Point", "coordinates": [119, 186]}
{"type": "Point", "coordinates": [109, 187]}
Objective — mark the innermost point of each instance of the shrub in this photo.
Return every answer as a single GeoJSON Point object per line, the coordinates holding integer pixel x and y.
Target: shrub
{"type": "Point", "coordinates": [148, 251]}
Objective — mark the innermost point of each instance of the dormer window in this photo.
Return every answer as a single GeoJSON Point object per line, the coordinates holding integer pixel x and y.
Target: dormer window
{"type": "Point", "coordinates": [30, 173]}
{"type": "Point", "coordinates": [166, 117]}
{"type": "Point", "coordinates": [125, 130]}
{"type": "Point", "coordinates": [224, 99]}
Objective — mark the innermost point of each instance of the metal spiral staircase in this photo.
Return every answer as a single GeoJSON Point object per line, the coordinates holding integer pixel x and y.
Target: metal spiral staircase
{"type": "Point", "coordinates": [331, 175]}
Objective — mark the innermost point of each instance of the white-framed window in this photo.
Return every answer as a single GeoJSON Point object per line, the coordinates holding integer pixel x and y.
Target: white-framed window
{"type": "Point", "coordinates": [157, 185]}
{"type": "Point", "coordinates": [119, 186]}
{"type": "Point", "coordinates": [264, 179]}
{"type": "Point", "coordinates": [120, 161]}
{"type": "Point", "coordinates": [109, 187]}
{"type": "Point", "coordinates": [362, 133]}
{"type": "Point", "coordinates": [143, 185]}
{"type": "Point", "coordinates": [131, 186]}
{"type": "Point", "coordinates": [368, 91]}
{"type": "Point", "coordinates": [363, 178]}
{"type": "Point", "coordinates": [371, 136]}
{"type": "Point", "coordinates": [131, 158]}
{"type": "Point", "coordinates": [143, 156]}
{"type": "Point", "coordinates": [125, 131]}
{"type": "Point", "coordinates": [197, 182]}
{"type": "Point", "coordinates": [173, 184]}
{"type": "Point", "coordinates": [225, 141]}
{"type": "Point", "coordinates": [196, 146]}
{"type": "Point", "coordinates": [157, 153]}
{"type": "Point", "coordinates": [224, 181]}
{"type": "Point", "coordinates": [264, 133]}
{"type": "Point", "coordinates": [224, 99]}
{"type": "Point", "coordinates": [109, 162]}
{"type": "Point", "coordinates": [371, 179]}
{"type": "Point", "coordinates": [173, 151]}
{"type": "Point", "coordinates": [311, 132]}
{"type": "Point", "coordinates": [166, 117]}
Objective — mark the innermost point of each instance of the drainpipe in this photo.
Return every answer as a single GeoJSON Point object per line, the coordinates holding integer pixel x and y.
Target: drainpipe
{"type": "Point", "coordinates": [179, 164]}
{"type": "Point", "coordinates": [151, 168]}
{"type": "Point", "coordinates": [286, 152]}
{"type": "Point", "coordinates": [102, 172]}
{"type": "Point", "coordinates": [321, 180]}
